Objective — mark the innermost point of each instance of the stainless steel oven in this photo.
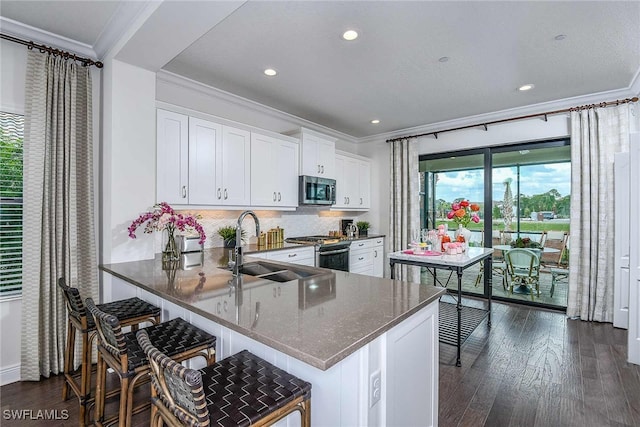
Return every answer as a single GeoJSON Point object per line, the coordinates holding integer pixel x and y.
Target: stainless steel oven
{"type": "Point", "coordinates": [331, 252]}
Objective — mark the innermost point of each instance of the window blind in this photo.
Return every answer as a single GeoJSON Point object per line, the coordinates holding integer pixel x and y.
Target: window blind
{"type": "Point", "coordinates": [11, 138]}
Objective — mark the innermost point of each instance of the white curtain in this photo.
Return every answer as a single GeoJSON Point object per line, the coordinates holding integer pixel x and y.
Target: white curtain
{"type": "Point", "coordinates": [596, 134]}
{"type": "Point", "coordinates": [404, 209]}
{"type": "Point", "coordinates": [58, 224]}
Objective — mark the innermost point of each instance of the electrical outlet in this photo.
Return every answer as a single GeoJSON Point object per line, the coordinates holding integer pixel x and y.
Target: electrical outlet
{"type": "Point", "coordinates": [375, 388]}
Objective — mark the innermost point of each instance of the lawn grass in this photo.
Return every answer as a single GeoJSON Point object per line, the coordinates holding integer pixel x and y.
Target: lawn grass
{"type": "Point", "coordinates": [525, 226]}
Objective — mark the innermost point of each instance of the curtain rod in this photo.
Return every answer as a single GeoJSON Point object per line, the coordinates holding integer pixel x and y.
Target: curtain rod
{"type": "Point", "coordinates": [42, 48]}
{"type": "Point", "coordinates": [548, 113]}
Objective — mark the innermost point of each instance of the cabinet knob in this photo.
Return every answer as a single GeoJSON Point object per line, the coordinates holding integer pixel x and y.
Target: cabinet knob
{"type": "Point", "coordinates": [360, 258]}
{"type": "Point", "coordinates": [274, 196]}
{"type": "Point", "coordinates": [360, 200]}
{"type": "Point", "coordinates": [279, 196]}
{"type": "Point", "coordinates": [184, 191]}
{"type": "Point", "coordinates": [219, 194]}
{"type": "Point", "coordinates": [292, 255]}
{"type": "Point", "coordinates": [225, 194]}
{"type": "Point", "coordinates": [322, 168]}
{"type": "Point", "coordinates": [375, 253]}
{"type": "Point", "coordinates": [318, 168]}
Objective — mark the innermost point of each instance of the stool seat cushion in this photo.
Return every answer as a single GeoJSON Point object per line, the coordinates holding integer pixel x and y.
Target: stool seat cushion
{"type": "Point", "coordinates": [244, 388]}
{"type": "Point", "coordinates": [125, 309]}
{"type": "Point", "coordinates": [171, 338]}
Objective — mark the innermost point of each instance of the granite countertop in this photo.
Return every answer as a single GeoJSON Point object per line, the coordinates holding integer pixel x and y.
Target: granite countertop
{"type": "Point", "coordinates": [320, 320]}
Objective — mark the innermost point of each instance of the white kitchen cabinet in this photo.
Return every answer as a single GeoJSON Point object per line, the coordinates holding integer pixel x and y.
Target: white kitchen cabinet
{"type": "Point", "coordinates": [366, 257]}
{"type": "Point", "coordinates": [172, 157]}
{"type": "Point", "coordinates": [274, 171]}
{"type": "Point", "coordinates": [303, 255]}
{"type": "Point", "coordinates": [233, 167]}
{"type": "Point", "coordinates": [317, 154]}
{"type": "Point", "coordinates": [378, 257]}
{"type": "Point", "coordinates": [200, 162]}
{"type": "Point", "coordinates": [353, 182]}
{"type": "Point", "coordinates": [205, 138]}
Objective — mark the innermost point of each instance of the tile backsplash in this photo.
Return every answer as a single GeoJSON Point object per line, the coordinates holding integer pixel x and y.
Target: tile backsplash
{"type": "Point", "coordinates": [305, 221]}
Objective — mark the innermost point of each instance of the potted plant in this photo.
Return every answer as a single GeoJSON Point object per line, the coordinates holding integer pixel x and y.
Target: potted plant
{"type": "Point", "coordinates": [228, 235]}
{"type": "Point", "coordinates": [363, 227]}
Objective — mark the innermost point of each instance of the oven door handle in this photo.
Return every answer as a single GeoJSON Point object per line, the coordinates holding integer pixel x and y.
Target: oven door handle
{"type": "Point", "coordinates": [337, 251]}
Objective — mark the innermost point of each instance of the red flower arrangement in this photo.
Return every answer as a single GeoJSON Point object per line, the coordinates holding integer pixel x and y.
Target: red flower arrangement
{"type": "Point", "coordinates": [163, 217]}
{"type": "Point", "coordinates": [462, 212]}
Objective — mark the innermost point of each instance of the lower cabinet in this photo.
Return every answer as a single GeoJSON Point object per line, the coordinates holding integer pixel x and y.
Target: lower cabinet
{"type": "Point", "coordinates": [367, 257]}
{"type": "Point", "coordinates": [305, 255]}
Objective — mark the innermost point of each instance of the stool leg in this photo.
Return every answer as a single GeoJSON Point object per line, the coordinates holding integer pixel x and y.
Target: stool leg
{"type": "Point", "coordinates": [85, 379]}
{"type": "Point", "coordinates": [68, 359]}
{"type": "Point", "coordinates": [123, 415]}
{"type": "Point", "coordinates": [306, 420]}
{"type": "Point", "coordinates": [101, 378]}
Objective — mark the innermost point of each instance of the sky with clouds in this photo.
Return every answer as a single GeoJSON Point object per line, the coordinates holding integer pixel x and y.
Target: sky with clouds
{"type": "Point", "coordinates": [534, 179]}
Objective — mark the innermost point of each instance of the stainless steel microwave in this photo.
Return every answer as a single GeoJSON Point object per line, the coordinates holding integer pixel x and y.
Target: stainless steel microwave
{"type": "Point", "coordinates": [314, 190]}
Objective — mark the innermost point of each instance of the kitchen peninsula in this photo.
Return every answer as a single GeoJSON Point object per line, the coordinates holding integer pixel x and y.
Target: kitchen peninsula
{"type": "Point", "coordinates": [368, 346]}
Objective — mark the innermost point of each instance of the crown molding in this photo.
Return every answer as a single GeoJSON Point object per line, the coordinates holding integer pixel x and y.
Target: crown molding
{"type": "Point", "coordinates": [178, 80]}
{"type": "Point", "coordinates": [121, 21]}
{"type": "Point", "coordinates": [29, 33]}
{"type": "Point", "coordinates": [539, 108]}
{"type": "Point", "coordinates": [634, 87]}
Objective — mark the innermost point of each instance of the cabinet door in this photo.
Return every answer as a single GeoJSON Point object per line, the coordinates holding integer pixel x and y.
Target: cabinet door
{"type": "Point", "coordinates": [326, 158]}
{"type": "Point", "coordinates": [364, 185]}
{"type": "Point", "coordinates": [204, 138]}
{"type": "Point", "coordinates": [310, 164]}
{"type": "Point", "coordinates": [378, 258]}
{"type": "Point", "coordinates": [286, 175]}
{"type": "Point", "coordinates": [234, 171]}
{"type": "Point", "coordinates": [350, 181]}
{"type": "Point", "coordinates": [263, 185]}
{"type": "Point", "coordinates": [172, 157]}
{"type": "Point", "coordinates": [341, 187]}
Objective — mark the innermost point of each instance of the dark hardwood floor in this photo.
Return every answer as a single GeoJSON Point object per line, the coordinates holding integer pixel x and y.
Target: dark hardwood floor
{"type": "Point", "coordinates": [538, 368]}
{"type": "Point", "coordinates": [534, 368]}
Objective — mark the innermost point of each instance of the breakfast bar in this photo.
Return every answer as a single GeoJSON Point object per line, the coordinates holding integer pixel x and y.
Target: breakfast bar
{"type": "Point", "coordinates": [368, 345]}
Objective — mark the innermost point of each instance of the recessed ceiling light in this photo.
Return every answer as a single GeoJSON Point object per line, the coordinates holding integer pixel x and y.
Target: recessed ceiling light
{"type": "Point", "coordinates": [560, 37]}
{"type": "Point", "coordinates": [526, 87]}
{"type": "Point", "coordinates": [375, 121]}
{"type": "Point", "coordinates": [444, 59]}
{"type": "Point", "coordinates": [350, 35]}
{"type": "Point", "coordinates": [270, 72]}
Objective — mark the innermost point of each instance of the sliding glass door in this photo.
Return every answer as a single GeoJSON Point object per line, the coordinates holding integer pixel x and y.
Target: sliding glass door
{"type": "Point", "coordinates": [523, 191]}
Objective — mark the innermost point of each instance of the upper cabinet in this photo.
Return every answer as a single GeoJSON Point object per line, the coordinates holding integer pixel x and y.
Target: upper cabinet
{"type": "Point", "coordinates": [353, 182]}
{"type": "Point", "coordinates": [172, 158]}
{"type": "Point", "coordinates": [200, 162]}
{"type": "Point", "coordinates": [317, 154]}
{"type": "Point", "coordinates": [274, 171]}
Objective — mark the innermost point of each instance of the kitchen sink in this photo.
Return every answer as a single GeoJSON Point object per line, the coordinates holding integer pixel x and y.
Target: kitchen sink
{"type": "Point", "coordinates": [277, 272]}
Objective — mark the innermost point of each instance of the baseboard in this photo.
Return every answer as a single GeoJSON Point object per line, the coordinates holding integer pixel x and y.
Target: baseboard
{"type": "Point", "coordinates": [10, 374]}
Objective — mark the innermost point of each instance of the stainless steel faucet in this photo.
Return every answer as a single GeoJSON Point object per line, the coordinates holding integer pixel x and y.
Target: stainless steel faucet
{"type": "Point", "coordinates": [238, 250]}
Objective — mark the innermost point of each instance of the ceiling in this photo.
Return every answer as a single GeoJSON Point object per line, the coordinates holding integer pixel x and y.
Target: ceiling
{"type": "Point", "coordinates": [393, 71]}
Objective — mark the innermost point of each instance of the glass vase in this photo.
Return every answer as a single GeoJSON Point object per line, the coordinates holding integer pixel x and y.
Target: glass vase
{"type": "Point", "coordinates": [170, 253]}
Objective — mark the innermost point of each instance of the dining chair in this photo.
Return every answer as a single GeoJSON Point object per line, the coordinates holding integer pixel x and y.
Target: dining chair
{"type": "Point", "coordinates": [121, 353]}
{"type": "Point", "coordinates": [240, 390]}
{"type": "Point", "coordinates": [130, 312]}
{"type": "Point", "coordinates": [523, 266]}
{"type": "Point", "coordinates": [557, 242]}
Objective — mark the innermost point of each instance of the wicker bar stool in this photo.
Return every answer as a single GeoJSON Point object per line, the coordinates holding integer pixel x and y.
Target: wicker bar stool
{"type": "Point", "coordinates": [240, 390]}
{"type": "Point", "coordinates": [122, 353]}
{"type": "Point", "coordinates": [130, 312]}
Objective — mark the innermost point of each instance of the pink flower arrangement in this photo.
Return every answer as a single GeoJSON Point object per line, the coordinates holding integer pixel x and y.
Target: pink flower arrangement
{"type": "Point", "coordinates": [163, 217]}
{"type": "Point", "coordinates": [463, 211]}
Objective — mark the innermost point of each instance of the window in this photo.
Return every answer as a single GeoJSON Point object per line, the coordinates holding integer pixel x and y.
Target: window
{"type": "Point", "coordinates": [11, 137]}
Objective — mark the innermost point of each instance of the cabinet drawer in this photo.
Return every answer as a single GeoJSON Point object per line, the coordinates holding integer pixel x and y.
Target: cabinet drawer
{"type": "Point", "coordinates": [360, 258]}
{"type": "Point", "coordinates": [295, 255]}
